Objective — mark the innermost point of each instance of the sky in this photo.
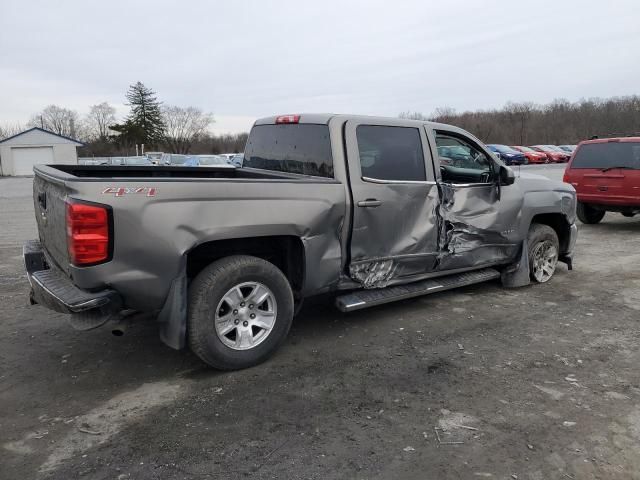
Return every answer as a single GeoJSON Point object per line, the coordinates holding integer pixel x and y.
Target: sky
{"type": "Point", "coordinates": [243, 59]}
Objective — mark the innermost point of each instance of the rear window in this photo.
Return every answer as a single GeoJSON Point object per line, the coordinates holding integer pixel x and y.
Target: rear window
{"type": "Point", "coordinates": [390, 153]}
{"type": "Point", "coordinates": [607, 155]}
{"type": "Point", "coordinates": [293, 148]}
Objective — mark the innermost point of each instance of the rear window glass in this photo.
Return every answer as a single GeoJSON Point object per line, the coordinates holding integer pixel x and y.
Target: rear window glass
{"type": "Point", "coordinates": [298, 148]}
{"type": "Point", "coordinates": [390, 153]}
{"type": "Point", "coordinates": [607, 155]}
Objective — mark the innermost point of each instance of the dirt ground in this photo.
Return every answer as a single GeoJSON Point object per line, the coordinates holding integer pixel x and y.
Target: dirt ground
{"type": "Point", "coordinates": [534, 383]}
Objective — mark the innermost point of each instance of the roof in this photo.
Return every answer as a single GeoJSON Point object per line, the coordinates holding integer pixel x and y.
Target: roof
{"type": "Point", "coordinates": [80, 144]}
{"type": "Point", "coordinates": [611, 140]}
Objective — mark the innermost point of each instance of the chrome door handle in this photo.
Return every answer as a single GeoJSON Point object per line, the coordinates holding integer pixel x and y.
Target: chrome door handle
{"type": "Point", "coordinates": [370, 202]}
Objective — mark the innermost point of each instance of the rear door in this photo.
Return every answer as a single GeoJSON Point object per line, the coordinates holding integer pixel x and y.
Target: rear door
{"type": "Point", "coordinates": [395, 231]}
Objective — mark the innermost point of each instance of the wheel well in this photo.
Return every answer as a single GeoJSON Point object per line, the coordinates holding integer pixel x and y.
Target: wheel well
{"type": "Point", "coordinates": [559, 223]}
{"type": "Point", "coordinates": [284, 251]}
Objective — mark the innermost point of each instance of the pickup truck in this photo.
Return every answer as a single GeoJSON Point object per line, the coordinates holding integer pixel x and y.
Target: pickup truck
{"type": "Point", "coordinates": [361, 207]}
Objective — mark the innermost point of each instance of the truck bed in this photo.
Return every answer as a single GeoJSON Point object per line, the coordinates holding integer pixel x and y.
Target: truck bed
{"type": "Point", "coordinates": [153, 171]}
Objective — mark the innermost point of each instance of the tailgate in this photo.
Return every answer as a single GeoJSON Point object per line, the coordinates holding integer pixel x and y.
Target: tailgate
{"type": "Point", "coordinates": [49, 203]}
{"type": "Point", "coordinates": [616, 187]}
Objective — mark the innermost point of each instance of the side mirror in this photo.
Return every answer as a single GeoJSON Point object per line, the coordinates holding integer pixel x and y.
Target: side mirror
{"type": "Point", "coordinates": [506, 175]}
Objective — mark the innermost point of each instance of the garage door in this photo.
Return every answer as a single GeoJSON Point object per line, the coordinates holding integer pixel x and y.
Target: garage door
{"type": "Point", "coordinates": [24, 158]}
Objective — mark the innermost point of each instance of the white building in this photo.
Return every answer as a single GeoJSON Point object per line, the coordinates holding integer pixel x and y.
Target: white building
{"type": "Point", "coordinates": [18, 154]}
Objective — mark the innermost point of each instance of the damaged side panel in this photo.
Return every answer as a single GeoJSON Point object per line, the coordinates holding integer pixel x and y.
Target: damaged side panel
{"type": "Point", "coordinates": [475, 228]}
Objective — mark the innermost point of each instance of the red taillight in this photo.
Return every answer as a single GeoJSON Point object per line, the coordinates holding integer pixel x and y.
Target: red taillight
{"type": "Point", "coordinates": [87, 233]}
{"type": "Point", "coordinates": [288, 119]}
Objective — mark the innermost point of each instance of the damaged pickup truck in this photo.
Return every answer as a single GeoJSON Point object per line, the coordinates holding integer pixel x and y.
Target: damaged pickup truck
{"type": "Point", "coordinates": [371, 209]}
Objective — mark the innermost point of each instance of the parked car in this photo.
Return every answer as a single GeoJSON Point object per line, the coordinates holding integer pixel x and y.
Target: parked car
{"type": "Point", "coordinates": [137, 161]}
{"type": "Point", "coordinates": [237, 160]}
{"type": "Point", "coordinates": [361, 207]}
{"type": "Point", "coordinates": [210, 160]}
{"type": "Point", "coordinates": [568, 148]}
{"type": "Point", "coordinates": [531, 155]}
{"type": "Point", "coordinates": [553, 155]}
{"type": "Point", "coordinates": [509, 155]}
{"type": "Point", "coordinates": [174, 159]}
{"type": "Point", "coordinates": [155, 157]}
{"type": "Point", "coordinates": [606, 175]}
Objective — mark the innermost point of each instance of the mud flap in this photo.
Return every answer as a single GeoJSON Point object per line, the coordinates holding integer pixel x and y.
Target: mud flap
{"type": "Point", "coordinates": [173, 316]}
{"type": "Point", "coordinates": [517, 274]}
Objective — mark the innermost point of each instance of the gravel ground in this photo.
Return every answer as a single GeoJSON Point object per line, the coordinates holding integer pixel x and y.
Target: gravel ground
{"type": "Point", "coordinates": [533, 383]}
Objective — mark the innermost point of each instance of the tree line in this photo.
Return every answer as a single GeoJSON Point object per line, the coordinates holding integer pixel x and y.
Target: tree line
{"type": "Point", "coordinates": [169, 128]}
{"type": "Point", "coordinates": [560, 122]}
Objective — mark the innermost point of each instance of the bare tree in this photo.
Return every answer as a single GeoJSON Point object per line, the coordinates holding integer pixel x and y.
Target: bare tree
{"type": "Point", "coordinates": [10, 129]}
{"type": "Point", "coordinates": [98, 121]}
{"type": "Point", "coordinates": [412, 115]}
{"type": "Point", "coordinates": [183, 126]}
{"type": "Point", "coordinates": [57, 120]}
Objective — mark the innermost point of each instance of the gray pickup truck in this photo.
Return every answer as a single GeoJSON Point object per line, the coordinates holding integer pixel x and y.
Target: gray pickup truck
{"type": "Point", "coordinates": [370, 209]}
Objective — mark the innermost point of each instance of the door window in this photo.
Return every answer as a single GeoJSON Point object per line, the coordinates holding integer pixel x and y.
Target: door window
{"type": "Point", "coordinates": [461, 161]}
{"type": "Point", "coordinates": [391, 153]}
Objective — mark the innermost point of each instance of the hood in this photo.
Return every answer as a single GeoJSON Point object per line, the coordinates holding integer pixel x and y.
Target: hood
{"type": "Point", "coordinates": [532, 182]}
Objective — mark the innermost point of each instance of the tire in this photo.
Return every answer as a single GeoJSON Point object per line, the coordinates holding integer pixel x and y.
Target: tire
{"type": "Point", "coordinates": [588, 214]}
{"type": "Point", "coordinates": [233, 282]}
{"type": "Point", "coordinates": [544, 249]}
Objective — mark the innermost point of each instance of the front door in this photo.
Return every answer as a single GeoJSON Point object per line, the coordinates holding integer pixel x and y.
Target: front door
{"type": "Point", "coordinates": [395, 230]}
{"type": "Point", "coordinates": [478, 216]}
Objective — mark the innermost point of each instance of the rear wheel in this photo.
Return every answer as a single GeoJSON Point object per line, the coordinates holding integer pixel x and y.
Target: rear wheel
{"type": "Point", "coordinates": [240, 311]}
{"type": "Point", "coordinates": [543, 252]}
{"type": "Point", "coordinates": [589, 215]}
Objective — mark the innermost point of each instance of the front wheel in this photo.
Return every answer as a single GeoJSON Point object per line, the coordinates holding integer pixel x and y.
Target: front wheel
{"type": "Point", "coordinates": [589, 215]}
{"type": "Point", "coordinates": [543, 252]}
{"type": "Point", "coordinates": [240, 311]}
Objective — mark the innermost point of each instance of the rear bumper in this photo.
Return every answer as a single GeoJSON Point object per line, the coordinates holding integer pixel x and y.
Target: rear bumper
{"type": "Point", "coordinates": [602, 200]}
{"type": "Point", "coordinates": [52, 289]}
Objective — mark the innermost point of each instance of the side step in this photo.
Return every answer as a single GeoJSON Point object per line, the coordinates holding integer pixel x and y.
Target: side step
{"type": "Point", "coordinates": [369, 298]}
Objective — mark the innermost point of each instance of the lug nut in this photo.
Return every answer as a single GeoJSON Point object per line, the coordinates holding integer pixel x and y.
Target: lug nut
{"type": "Point", "coordinates": [235, 312]}
{"type": "Point", "coordinates": [251, 305]}
{"type": "Point", "coordinates": [242, 304]}
{"type": "Point", "coordinates": [236, 321]}
{"type": "Point", "coordinates": [253, 315]}
{"type": "Point", "coordinates": [245, 323]}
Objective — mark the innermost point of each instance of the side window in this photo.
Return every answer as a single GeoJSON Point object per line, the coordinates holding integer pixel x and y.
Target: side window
{"type": "Point", "coordinates": [390, 153]}
{"type": "Point", "coordinates": [461, 161]}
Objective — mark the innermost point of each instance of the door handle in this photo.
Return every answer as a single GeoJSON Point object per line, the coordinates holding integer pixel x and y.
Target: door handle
{"type": "Point", "coordinates": [370, 202]}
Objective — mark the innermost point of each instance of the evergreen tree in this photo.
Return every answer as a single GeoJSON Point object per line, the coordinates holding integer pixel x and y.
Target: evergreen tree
{"type": "Point", "coordinates": [145, 120]}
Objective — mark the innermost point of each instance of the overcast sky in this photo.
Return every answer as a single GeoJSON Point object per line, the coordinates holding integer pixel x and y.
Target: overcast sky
{"type": "Point", "coordinates": [245, 59]}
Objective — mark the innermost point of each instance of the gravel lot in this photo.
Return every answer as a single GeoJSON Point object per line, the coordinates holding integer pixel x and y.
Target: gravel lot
{"type": "Point", "coordinates": [534, 383]}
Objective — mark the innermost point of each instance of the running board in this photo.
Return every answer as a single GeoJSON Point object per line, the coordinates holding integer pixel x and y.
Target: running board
{"type": "Point", "coordinates": [369, 298]}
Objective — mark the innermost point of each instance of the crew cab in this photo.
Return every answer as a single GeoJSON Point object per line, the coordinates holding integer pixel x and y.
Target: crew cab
{"type": "Point", "coordinates": [368, 209]}
{"type": "Point", "coordinates": [606, 175]}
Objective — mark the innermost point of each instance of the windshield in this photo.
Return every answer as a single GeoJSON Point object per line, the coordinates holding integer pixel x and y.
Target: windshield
{"type": "Point", "coordinates": [177, 159]}
{"type": "Point", "coordinates": [527, 149]}
{"type": "Point", "coordinates": [137, 161]}
{"type": "Point", "coordinates": [608, 155]}
{"type": "Point", "coordinates": [292, 148]}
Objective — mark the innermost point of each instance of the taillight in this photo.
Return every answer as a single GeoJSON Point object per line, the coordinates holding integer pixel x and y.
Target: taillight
{"type": "Point", "coordinates": [288, 119]}
{"type": "Point", "coordinates": [87, 233]}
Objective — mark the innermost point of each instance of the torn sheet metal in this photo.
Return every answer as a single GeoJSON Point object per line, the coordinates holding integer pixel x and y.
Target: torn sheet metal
{"type": "Point", "coordinates": [375, 274]}
{"type": "Point", "coordinates": [469, 224]}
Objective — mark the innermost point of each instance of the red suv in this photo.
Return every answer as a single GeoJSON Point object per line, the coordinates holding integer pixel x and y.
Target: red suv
{"type": "Point", "coordinates": [606, 175]}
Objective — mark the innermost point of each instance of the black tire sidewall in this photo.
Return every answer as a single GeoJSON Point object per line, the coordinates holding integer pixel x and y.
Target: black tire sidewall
{"type": "Point", "coordinates": [206, 292]}
{"type": "Point", "coordinates": [588, 215]}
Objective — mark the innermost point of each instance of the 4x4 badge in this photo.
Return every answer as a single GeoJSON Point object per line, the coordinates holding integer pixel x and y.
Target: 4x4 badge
{"type": "Point", "coordinates": [121, 191]}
